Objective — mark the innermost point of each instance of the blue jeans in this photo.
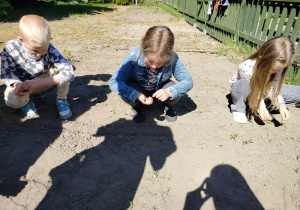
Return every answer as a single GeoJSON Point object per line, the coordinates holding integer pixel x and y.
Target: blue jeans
{"type": "Point", "coordinates": [241, 89]}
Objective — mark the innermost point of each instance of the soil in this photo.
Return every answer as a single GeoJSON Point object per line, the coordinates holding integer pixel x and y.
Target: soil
{"type": "Point", "coordinates": [101, 159]}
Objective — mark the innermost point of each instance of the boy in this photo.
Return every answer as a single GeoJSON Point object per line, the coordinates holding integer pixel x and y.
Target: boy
{"type": "Point", "coordinates": [30, 64]}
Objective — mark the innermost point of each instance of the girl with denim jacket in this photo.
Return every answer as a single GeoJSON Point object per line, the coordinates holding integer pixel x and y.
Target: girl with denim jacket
{"type": "Point", "coordinates": [145, 74]}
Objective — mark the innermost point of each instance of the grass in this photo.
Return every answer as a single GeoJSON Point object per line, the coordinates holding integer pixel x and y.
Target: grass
{"type": "Point", "coordinates": [170, 10]}
{"type": "Point", "coordinates": [293, 75]}
{"type": "Point", "coordinates": [61, 10]}
{"type": "Point", "coordinates": [234, 136]}
{"type": "Point", "coordinates": [166, 8]}
{"type": "Point", "coordinates": [236, 53]}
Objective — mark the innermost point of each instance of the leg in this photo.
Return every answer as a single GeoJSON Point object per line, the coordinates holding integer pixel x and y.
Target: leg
{"type": "Point", "coordinates": [239, 93]}
{"type": "Point", "coordinates": [170, 103]}
{"type": "Point", "coordinates": [139, 88]}
{"type": "Point", "coordinates": [62, 92]}
{"type": "Point", "coordinates": [137, 109]}
{"type": "Point", "coordinates": [49, 73]}
{"type": "Point", "coordinates": [170, 112]}
{"type": "Point", "coordinates": [14, 101]}
{"type": "Point", "coordinates": [290, 94]}
{"type": "Point", "coordinates": [63, 107]}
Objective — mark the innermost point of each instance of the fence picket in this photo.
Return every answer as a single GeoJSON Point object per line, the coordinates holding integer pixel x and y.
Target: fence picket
{"type": "Point", "coordinates": [289, 24]}
{"type": "Point", "coordinates": [274, 23]}
{"type": "Point", "coordinates": [267, 23]}
{"type": "Point", "coordinates": [281, 22]}
{"type": "Point", "coordinates": [253, 20]}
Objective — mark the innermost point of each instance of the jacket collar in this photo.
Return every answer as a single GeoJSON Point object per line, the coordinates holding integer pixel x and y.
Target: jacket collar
{"type": "Point", "coordinates": [141, 60]}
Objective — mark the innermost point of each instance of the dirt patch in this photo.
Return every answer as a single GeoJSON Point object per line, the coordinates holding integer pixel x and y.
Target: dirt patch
{"type": "Point", "coordinates": [100, 159]}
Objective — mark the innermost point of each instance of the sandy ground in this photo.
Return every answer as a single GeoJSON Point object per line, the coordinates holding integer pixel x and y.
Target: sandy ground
{"type": "Point", "coordinates": [101, 159]}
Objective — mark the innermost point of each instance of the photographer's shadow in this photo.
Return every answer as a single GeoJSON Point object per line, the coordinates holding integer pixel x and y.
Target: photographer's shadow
{"type": "Point", "coordinates": [228, 189]}
{"type": "Point", "coordinates": [23, 140]}
{"type": "Point", "coordinates": [108, 175]}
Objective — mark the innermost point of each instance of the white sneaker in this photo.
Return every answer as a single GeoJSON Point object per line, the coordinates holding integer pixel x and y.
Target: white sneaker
{"type": "Point", "coordinates": [239, 117]}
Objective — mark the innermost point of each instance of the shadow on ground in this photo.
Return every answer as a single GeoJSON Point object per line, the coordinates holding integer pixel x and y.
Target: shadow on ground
{"type": "Point", "coordinates": [108, 175]}
{"type": "Point", "coordinates": [56, 12]}
{"type": "Point", "coordinates": [156, 110]}
{"type": "Point", "coordinates": [228, 189]}
{"type": "Point", "coordinates": [22, 140]}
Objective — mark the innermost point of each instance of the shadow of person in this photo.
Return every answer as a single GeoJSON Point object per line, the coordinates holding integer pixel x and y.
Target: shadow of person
{"type": "Point", "coordinates": [23, 140]}
{"type": "Point", "coordinates": [108, 175]}
{"type": "Point", "coordinates": [185, 105]}
{"type": "Point", "coordinates": [156, 110]}
{"type": "Point", "coordinates": [83, 95]}
{"type": "Point", "coordinates": [228, 189]}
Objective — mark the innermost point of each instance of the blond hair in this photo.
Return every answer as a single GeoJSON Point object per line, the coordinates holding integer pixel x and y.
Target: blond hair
{"type": "Point", "coordinates": [35, 29]}
{"type": "Point", "coordinates": [159, 41]}
{"type": "Point", "coordinates": [278, 49]}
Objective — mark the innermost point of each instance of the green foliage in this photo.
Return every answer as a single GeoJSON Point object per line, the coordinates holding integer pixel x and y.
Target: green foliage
{"type": "Point", "coordinates": [293, 75]}
{"type": "Point", "coordinates": [4, 8]}
{"type": "Point", "coordinates": [16, 3]}
{"type": "Point", "coordinates": [63, 9]}
{"type": "Point", "coordinates": [75, 1]}
{"type": "Point", "coordinates": [149, 2]}
{"type": "Point", "coordinates": [170, 10]}
{"type": "Point", "coordinates": [123, 2]}
{"type": "Point", "coordinates": [234, 136]}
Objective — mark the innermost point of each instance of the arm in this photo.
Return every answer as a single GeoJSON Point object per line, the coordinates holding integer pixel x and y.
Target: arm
{"type": "Point", "coordinates": [25, 88]}
{"type": "Point", "coordinates": [244, 71]}
{"type": "Point", "coordinates": [234, 78]}
{"type": "Point", "coordinates": [66, 73]}
{"type": "Point", "coordinates": [8, 68]}
{"type": "Point", "coordinates": [285, 114]}
{"type": "Point", "coordinates": [185, 81]}
{"type": "Point", "coordinates": [118, 80]}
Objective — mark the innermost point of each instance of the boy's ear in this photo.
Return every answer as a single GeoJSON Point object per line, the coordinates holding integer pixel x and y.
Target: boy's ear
{"type": "Point", "coordinates": [20, 38]}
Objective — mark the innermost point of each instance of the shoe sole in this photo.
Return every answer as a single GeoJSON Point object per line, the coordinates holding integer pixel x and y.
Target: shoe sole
{"type": "Point", "coordinates": [30, 114]}
{"type": "Point", "coordinates": [171, 119]}
{"type": "Point", "coordinates": [66, 117]}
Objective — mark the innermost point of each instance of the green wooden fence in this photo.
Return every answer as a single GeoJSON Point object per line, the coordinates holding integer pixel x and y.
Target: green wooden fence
{"type": "Point", "coordinates": [247, 21]}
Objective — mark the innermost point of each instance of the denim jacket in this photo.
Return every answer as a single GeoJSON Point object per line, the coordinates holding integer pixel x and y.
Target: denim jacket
{"type": "Point", "coordinates": [134, 68]}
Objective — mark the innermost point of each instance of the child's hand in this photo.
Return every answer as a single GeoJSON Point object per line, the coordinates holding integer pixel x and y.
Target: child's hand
{"type": "Point", "coordinates": [285, 114]}
{"type": "Point", "coordinates": [29, 85]}
{"type": "Point", "coordinates": [142, 98]}
{"type": "Point", "coordinates": [162, 94]}
{"type": "Point", "coordinates": [19, 89]}
{"type": "Point", "coordinates": [264, 114]}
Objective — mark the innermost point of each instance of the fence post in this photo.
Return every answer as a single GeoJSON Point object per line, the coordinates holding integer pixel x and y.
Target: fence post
{"type": "Point", "coordinates": [240, 21]}
{"type": "Point", "coordinates": [196, 14]}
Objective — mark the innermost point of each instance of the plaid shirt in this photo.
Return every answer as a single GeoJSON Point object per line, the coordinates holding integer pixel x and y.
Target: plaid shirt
{"type": "Point", "coordinates": [18, 65]}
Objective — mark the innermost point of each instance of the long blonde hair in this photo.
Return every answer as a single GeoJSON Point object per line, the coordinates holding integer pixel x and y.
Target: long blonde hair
{"type": "Point", "coordinates": [159, 41]}
{"type": "Point", "coordinates": [278, 49]}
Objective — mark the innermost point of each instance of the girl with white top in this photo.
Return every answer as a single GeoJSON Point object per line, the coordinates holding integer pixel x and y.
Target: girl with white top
{"type": "Point", "coordinates": [259, 80]}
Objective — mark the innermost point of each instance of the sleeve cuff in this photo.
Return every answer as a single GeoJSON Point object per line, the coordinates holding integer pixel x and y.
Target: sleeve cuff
{"type": "Point", "coordinates": [173, 92]}
{"type": "Point", "coordinates": [280, 101]}
{"type": "Point", "coordinates": [10, 82]}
